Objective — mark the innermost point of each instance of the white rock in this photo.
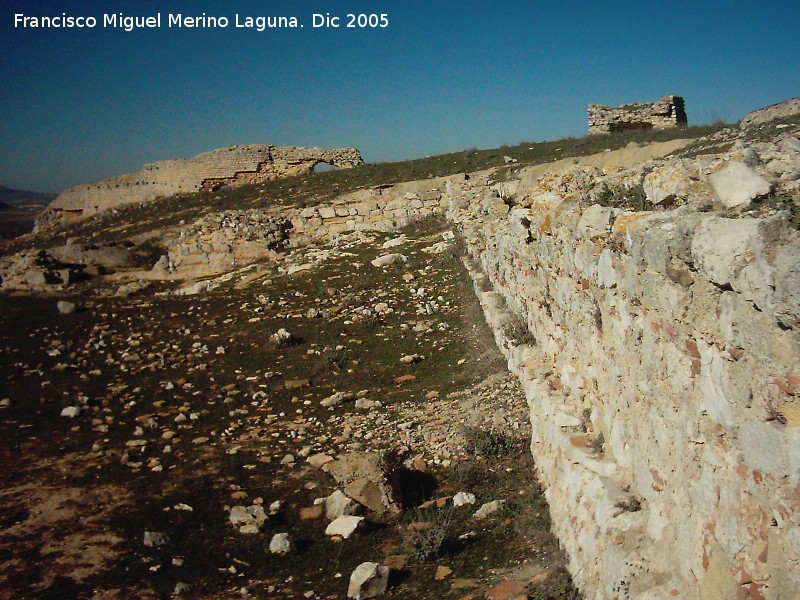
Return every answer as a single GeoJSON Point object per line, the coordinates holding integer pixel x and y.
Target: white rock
{"type": "Point", "coordinates": [332, 400]}
{"type": "Point", "coordinates": [343, 526]}
{"type": "Point", "coordinates": [249, 519]}
{"type": "Point", "coordinates": [318, 460]}
{"type": "Point", "coordinates": [250, 528]}
{"type": "Point", "coordinates": [596, 220]}
{"type": "Point", "coordinates": [738, 184]}
{"type": "Point", "coordinates": [280, 544]}
{"type": "Point", "coordinates": [71, 411]}
{"type": "Point", "coordinates": [670, 182]}
{"type": "Point", "coordinates": [338, 505]}
{"type": "Point", "coordinates": [721, 247]}
{"type": "Point", "coordinates": [606, 275]}
{"type": "Point", "coordinates": [239, 515]}
{"type": "Point", "coordinates": [368, 580]}
{"type": "Point", "coordinates": [389, 259]}
{"type": "Point", "coordinates": [562, 419]}
{"type": "Point", "coordinates": [66, 308]}
{"type": "Point", "coordinates": [394, 242]}
{"type": "Point", "coordinates": [489, 509]}
{"type": "Point", "coordinates": [463, 498]}
{"type": "Point", "coordinates": [155, 538]}
{"type": "Point", "coordinates": [765, 446]}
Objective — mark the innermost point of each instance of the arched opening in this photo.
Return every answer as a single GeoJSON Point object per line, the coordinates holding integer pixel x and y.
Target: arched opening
{"type": "Point", "coordinates": [322, 167]}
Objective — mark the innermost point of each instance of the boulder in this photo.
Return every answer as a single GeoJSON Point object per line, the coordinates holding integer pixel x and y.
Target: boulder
{"type": "Point", "coordinates": [737, 184]}
{"type": "Point", "coordinates": [280, 544]}
{"type": "Point", "coordinates": [671, 182]}
{"type": "Point", "coordinates": [367, 493]}
{"type": "Point", "coordinates": [343, 526]}
{"type": "Point", "coordinates": [388, 260]}
{"type": "Point", "coordinates": [368, 580]}
{"type": "Point", "coordinates": [338, 505]}
{"type": "Point", "coordinates": [66, 308]}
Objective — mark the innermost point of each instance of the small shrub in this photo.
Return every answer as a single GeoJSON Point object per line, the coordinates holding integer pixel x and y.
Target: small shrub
{"type": "Point", "coordinates": [632, 504]}
{"type": "Point", "coordinates": [623, 196]}
{"type": "Point", "coordinates": [517, 332]}
{"type": "Point", "coordinates": [423, 544]}
{"type": "Point", "coordinates": [488, 442]}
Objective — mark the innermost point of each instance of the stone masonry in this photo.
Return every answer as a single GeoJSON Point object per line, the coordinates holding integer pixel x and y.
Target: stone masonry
{"type": "Point", "coordinates": [235, 165]}
{"type": "Point", "coordinates": [667, 112]}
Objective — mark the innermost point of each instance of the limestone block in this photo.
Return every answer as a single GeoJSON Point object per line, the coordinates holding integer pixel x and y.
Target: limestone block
{"type": "Point", "coordinates": [327, 212]}
{"type": "Point", "coordinates": [721, 246]}
{"type": "Point", "coordinates": [717, 400]}
{"type": "Point", "coordinates": [596, 220]}
{"type": "Point", "coordinates": [765, 447]}
{"type": "Point", "coordinates": [606, 275]}
{"type": "Point", "coordinates": [787, 283]}
{"type": "Point", "coordinates": [308, 212]}
{"type": "Point", "coordinates": [737, 184]}
{"type": "Point", "coordinates": [671, 182]}
{"type": "Point", "coordinates": [343, 526]}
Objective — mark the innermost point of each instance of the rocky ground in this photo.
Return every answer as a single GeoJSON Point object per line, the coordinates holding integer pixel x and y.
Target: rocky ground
{"type": "Point", "coordinates": [266, 436]}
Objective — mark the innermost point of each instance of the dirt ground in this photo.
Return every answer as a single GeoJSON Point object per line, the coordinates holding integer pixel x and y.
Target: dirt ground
{"type": "Point", "coordinates": [131, 427]}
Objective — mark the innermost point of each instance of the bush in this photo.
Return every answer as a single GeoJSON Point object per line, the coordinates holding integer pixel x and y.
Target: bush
{"type": "Point", "coordinates": [488, 442]}
{"type": "Point", "coordinates": [425, 541]}
{"type": "Point", "coordinates": [628, 197]}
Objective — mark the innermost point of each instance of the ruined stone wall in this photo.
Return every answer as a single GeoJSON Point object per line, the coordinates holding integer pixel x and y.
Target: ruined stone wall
{"type": "Point", "coordinates": [235, 165]}
{"type": "Point", "coordinates": [661, 365]}
{"type": "Point", "coordinates": [661, 375]}
{"type": "Point", "coordinates": [667, 112]}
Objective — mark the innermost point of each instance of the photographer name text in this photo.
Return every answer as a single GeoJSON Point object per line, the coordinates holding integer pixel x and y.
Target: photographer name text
{"type": "Point", "coordinates": [260, 23]}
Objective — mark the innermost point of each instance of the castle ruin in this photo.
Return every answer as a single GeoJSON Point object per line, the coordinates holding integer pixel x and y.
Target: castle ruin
{"type": "Point", "coordinates": [667, 112]}
{"type": "Point", "coordinates": [235, 165]}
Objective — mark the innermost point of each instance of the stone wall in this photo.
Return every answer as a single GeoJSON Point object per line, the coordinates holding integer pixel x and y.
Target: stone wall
{"type": "Point", "coordinates": [661, 374]}
{"type": "Point", "coordinates": [235, 165]}
{"type": "Point", "coordinates": [667, 112]}
{"type": "Point", "coordinates": [661, 359]}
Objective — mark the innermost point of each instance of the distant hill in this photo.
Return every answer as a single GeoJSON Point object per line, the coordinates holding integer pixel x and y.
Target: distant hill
{"type": "Point", "coordinates": [4, 206]}
{"type": "Point", "coordinates": [17, 197]}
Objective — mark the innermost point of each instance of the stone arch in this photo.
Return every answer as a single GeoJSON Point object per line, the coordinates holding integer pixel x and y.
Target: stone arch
{"type": "Point", "coordinates": [322, 166]}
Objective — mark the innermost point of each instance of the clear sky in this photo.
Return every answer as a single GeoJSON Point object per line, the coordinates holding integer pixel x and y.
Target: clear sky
{"type": "Point", "coordinates": [80, 105]}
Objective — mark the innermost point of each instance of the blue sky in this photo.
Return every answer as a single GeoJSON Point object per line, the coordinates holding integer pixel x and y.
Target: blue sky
{"type": "Point", "coordinates": [77, 106]}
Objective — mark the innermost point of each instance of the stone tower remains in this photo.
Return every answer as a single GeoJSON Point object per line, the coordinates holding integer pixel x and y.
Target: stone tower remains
{"type": "Point", "coordinates": [663, 114]}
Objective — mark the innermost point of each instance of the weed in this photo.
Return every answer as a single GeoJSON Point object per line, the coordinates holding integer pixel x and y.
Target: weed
{"type": "Point", "coordinates": [632, 504]}
{"type": "Point", "coordinates": [489, 442]}
{"type": "Point", "coordinates": [516, 331]}
{"type": "Point", "coordinates": [788, 204]}
{"type": "Point", "coordinates": [424, 538]}
{"type": "Point", "coordinates": [623, 196]}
